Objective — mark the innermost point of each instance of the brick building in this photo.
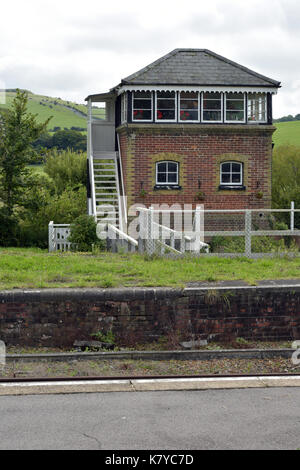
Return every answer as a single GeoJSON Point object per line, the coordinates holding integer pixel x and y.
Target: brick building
{"type": "Point", "coordinates": [192, 127]}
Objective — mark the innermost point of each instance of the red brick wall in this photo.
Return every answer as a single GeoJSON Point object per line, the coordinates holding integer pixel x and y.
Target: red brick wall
{"type": "Point", "coordinates": [200, 149]}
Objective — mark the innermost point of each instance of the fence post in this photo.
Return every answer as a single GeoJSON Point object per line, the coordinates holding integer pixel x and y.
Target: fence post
{"type": "Point", "coordinates": [149, 234]}
{"type": "Point", "coordinates": [248, 227]}
{"type": "Point", "coordinates": [292, 225]}
{"type": "Point", "coordinates": [51, 245]}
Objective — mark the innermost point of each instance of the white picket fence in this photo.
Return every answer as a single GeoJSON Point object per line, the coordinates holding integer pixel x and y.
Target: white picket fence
{"type": "Point", "coordinates": [58, 237]}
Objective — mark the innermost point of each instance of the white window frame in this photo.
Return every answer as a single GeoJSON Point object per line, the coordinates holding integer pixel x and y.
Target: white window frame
{"type": "Point", "coordinates": [225, 110]}
{"type": "Point", "coordinates": [177, 173]}
{"type": "Point", "coordinates": [264, 95]}
{"type": "Point", "coordinates": [240, 183]}
{"type": "Point", "coordinates": [175, 100]}
{"type": "Point", "coordinates": [179, 108]}
{"type": "Point", "coordinates": [124, 107]}
{"type": "Point", "coordinates": [133, 109]}
{"type": "Point", "coordinates": [204, 110]}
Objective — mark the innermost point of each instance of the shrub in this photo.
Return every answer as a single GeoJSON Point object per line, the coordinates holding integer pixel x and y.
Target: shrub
{"type": "Point", "coordinates": [83, 234]}
{"type": "Point", "coordinates": [67, 169]}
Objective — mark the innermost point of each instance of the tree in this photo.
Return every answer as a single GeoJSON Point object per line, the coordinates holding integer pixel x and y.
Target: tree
{"type": "Point", "coordinates": [18, 130]}
{"type": "Point", "coordinates": [286, 180]}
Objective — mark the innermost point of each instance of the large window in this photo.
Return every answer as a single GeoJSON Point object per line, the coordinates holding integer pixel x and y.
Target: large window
{"type": "Point", "coordinates": [234, 107]}
{"type": "Point", "coordinates": [165, 106]}
{"type": "Point", "coordinates": [212, 107]}
{"type": "Point", "coordinates": [167, 173]}
{"type": "Point", "coordinates": [188, 106]}
{"type": "Point", "coordinates": [142, 106]}
{"type": "Point", "coordinates": [231, 173]}
{"type": "Point", "coordinates": [257, 107]}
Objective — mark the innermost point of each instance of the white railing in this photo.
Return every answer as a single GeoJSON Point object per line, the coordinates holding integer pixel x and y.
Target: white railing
{"type": "Point", "coordinates": [156, 237]}
{"type": "Point", "coordinates": [58, 237]}
{"type": "Point", "coordinates": [117, 240]}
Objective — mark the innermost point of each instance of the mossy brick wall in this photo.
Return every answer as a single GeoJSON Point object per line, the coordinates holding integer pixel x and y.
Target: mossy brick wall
{"type": "Point", "coordinates": [57, 317]}
{"type": "Point", "coordinates": [199, 150]}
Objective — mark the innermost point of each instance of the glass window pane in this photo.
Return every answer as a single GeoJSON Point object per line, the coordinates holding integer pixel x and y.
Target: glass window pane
{"type": "Point", "coordinates": [226, 167]}
{"type": "Point", "coordinates": [236, 178]}
{"type": "Point", "coordinates": [141, 114]}
{"type": "Point", "coordinates": [235, 96]}
{"type": "Point", "coordinates": [211, 96]}
{"type": "Point", "coordinates": [188, 104]}
{"type": "Point", "coordinates": [166, 94]}
{"type": "Point", "coordinates": [142, 104]}
{"type": "Point", "coordinates": [172, 167]}
{"type": "Point", "coordinates": [166, 114]}
{"type": "Point", "coordinates": [165, 104]}
{"type": "Point", "coordinates": [225, 178]}
{"type": "Point", "coordinates": [211, 104]}
{"type": "Point", "coordinates": [161, 177]}
{"type": "Point", "coordinates": [162, 167]}
{"type": "Point", "coordinates": [236, 167]}
{"type": "Point", "coordinates": [189, 115]}
{"type": "Point", "coordinates": [142, 94]}
{"type": "Point", "coordinates": [239, 105]}
{"type": "Point", "coordinates": [234, 116]}
{"type": "Point", "coordinates": [189, 94]}
{"type": "Point", "coordinates": [172, 177]}
{"type": "Point", "coordinates": [212, 115]}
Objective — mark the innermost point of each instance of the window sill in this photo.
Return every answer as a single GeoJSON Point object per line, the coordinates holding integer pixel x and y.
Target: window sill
{"type": "Point", "coordinates": [167, 186]}
{"type": "Point", "coordinates": [232, 187]}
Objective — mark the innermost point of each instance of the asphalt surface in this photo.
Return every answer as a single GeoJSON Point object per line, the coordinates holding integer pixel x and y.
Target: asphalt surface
{"type": "Point", "coordinates": [207, 419]}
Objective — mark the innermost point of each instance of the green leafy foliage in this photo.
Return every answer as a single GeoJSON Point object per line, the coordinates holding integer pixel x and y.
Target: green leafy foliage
{"type": "Point", "coordinates": [83, 234]}
{"type": "Point", "coordinates": [66, 168]}
{"type": "Point", "coordinates": [286, 181]}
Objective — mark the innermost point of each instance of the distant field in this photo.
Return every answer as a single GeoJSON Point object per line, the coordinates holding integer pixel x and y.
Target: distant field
{"type": "Point", "coordinates": [66, 114]}
{"type": "Point", "coordinates": [287, 133]}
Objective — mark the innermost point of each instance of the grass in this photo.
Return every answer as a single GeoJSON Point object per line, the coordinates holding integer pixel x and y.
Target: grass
{"type": "Point", "coordinates": [287, 133]}
{"type": "Point", "coordinates": [35, 268]}
{"type": "Point", "coordinates": [45, 106]}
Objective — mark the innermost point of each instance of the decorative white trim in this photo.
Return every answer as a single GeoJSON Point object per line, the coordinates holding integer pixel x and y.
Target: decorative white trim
{"type": "Point", "coordinates": [207, 89]}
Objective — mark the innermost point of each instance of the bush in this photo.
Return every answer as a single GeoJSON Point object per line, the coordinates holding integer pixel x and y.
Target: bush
{"type": "Point", "coordinates": [259, 244]}
{"type": "Point", "coordinates": [66, 168]}
{"type": "Point", "coordinates": [83, 234]}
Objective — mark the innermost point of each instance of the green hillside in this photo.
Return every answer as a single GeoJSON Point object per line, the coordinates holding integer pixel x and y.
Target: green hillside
{"type": "Point", "coordinates": [287, 133]}
{"type": "Point", "coordinates": [66, 114]}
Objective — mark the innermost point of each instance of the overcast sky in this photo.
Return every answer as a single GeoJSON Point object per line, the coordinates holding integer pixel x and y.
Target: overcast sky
{"type": "Point", "coordinates": [72, 48]}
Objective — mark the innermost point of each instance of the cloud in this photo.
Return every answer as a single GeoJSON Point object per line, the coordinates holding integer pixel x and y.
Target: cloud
{"type": "Point", "coordinates": [71, 49]}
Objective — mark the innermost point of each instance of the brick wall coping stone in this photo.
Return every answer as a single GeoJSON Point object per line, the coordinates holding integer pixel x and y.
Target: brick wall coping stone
{"type": "Point", "coordinates": [138, 293]}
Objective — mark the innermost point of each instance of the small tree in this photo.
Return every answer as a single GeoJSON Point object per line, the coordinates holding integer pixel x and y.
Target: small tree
{"type": "Point", "coordinates": [18, 130]}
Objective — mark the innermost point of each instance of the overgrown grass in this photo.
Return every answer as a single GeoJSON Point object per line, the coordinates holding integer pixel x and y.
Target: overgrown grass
{"type": "Point", "coordinates": [35, 268]}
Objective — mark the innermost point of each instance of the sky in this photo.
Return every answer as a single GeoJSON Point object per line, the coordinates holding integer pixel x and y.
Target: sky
{"type": "Point", "coordinates": [70, 48]}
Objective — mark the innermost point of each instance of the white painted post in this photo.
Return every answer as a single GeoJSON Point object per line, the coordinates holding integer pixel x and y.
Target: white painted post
{"type": "Point", "coordinates": [51, 244]}
{"type": "Point", "coordinates": [248, 227]}
{"type": "Point", "coordinates": [292, 225]}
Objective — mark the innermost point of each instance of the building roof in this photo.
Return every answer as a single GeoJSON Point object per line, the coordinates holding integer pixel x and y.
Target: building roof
{"type": "Point", "coordinates": [197, 67]}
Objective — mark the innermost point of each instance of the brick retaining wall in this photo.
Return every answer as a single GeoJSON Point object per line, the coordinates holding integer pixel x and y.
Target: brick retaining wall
{"type": "Point", "coordinates": [56, 317]}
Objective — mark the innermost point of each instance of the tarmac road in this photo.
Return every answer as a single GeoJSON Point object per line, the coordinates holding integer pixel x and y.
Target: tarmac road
{"type": "Point", "coordinates": [267, 418]}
